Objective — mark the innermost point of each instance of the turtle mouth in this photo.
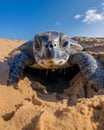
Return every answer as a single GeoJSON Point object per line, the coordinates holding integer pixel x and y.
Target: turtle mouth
{"type": "Point", "coordinates": [55, 80]}
{"type": "Point", "coordinates": [52, 62]}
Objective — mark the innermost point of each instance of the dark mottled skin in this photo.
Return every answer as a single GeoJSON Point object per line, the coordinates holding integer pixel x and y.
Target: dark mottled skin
{"type": "Point", "coordinates": [51, 50]}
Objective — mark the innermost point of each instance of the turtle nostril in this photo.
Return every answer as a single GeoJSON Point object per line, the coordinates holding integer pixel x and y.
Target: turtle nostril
{"type": "Point", "coordinates": [54, 44]}
{"type": "Point", "coordinates": [51, 46]}
{"type": "Point", "coordinates": [46, 46]}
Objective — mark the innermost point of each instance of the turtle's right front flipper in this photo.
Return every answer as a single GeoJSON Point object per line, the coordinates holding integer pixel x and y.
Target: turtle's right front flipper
{"type": "Point", "coordinates": [89, 67]}
{"type": "Point", "coordinates": [17, 65]}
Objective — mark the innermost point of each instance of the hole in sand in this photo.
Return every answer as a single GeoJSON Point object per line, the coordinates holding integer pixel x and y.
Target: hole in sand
{"type": "Point", "coordinates": [53, 80]}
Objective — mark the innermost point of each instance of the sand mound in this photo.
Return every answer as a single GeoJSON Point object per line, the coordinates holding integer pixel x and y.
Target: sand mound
{"type": "Point", "coordinates": [23, 108]}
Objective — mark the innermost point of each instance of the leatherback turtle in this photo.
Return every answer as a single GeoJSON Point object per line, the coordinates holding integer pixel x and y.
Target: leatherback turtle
{"type": "Point", "coordinates": [54, 50]}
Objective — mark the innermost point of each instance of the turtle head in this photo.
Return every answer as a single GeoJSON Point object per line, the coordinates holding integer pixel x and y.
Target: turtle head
{"type": "Point", "coordinates": [51, 49]}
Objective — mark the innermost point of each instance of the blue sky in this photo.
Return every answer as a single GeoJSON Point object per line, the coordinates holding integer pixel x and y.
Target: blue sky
{"type": "Point", "coordinates": [22, 19]}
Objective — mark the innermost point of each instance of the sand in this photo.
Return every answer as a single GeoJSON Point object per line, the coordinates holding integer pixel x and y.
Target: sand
{"type": "Point", "coordinates": [78, 108]}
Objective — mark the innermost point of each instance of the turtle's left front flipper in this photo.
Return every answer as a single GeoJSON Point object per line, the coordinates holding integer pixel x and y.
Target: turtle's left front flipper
{"type": "Point", "coordinates": [17, 65]}
{"type": "Point", "coordinates": [89, 67]}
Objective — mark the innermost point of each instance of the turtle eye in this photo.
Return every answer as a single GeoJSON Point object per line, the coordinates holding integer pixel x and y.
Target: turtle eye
{"type": "Point", "coordinates": [65, 44]}
{"type": "Point", "coordinates": [37, 45]}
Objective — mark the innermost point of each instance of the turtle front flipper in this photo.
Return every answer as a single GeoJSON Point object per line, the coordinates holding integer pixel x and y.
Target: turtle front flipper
{"type": "Point", "coordinates": [17, 65]}
{"type": "Point", "coordinates": [89, 67]}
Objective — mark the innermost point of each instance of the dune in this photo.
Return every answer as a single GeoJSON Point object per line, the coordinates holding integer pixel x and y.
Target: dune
{"type": "Point", "coordinates": [23, 108]}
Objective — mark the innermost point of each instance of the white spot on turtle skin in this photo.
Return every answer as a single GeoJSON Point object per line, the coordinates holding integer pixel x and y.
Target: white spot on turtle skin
{"type": "Point", "coordinates": [53, 70]}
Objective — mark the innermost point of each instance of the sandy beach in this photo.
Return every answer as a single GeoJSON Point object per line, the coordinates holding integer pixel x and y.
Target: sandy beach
{"type": "Point", "coordinates": [25, 109]}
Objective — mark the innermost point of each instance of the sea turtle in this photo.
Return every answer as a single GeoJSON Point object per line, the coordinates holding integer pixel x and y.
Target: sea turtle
{"type": "Point", "coordinates": [54, 50]}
